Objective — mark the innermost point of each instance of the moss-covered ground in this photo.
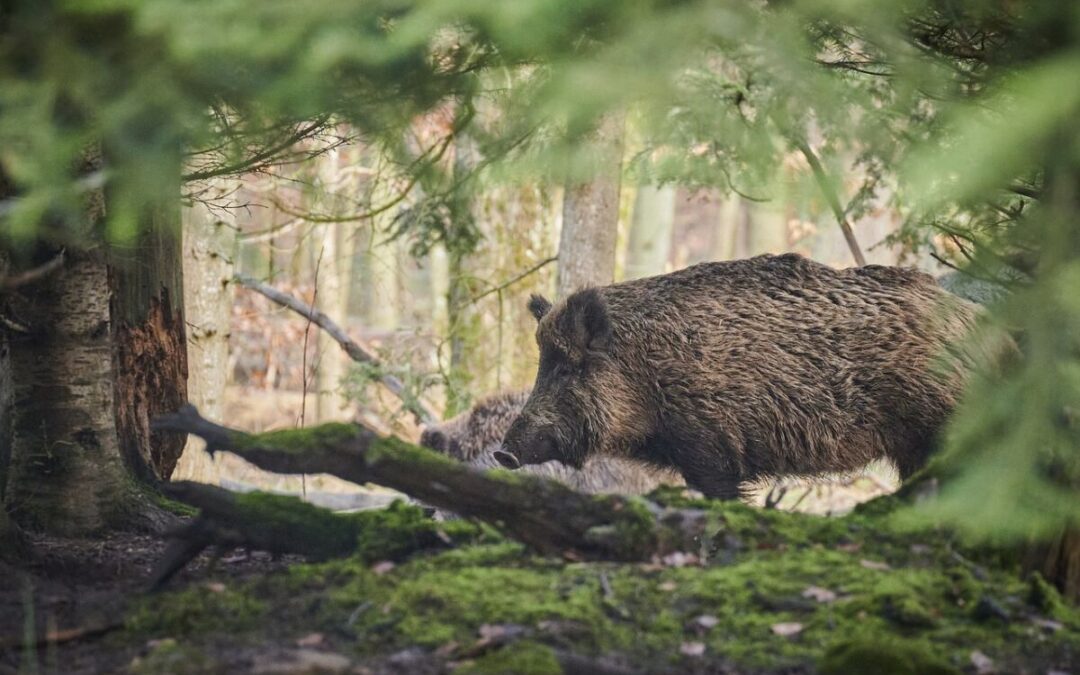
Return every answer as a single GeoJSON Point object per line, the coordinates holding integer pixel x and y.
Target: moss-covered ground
{"type": "Point", "coordinates": [773, 592]}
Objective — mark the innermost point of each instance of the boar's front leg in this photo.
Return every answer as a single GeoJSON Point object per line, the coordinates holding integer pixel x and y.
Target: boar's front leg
{"type": "Point", "coordinates": [712, 484]}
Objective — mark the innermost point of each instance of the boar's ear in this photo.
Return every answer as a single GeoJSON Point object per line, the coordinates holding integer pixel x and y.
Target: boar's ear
{"type": "Point", "coordinates": [539, 306]}
{"type": "Point", "coordinates": [590, 325]}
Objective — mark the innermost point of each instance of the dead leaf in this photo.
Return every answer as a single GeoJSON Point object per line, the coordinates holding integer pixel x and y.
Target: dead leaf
{"type": "Point", "coordinates": [447, 649]}
{"type": "Point", "coordinates": [787, 629]}
{"type": "Point", "coordinates": [706, 621]}
{"type": "Point", "coordinates": [680, 559]}
{"type": "Point", "coordinates": [692, 648]}
{"type": "Point", "coordinates": [216, 587]}
{"type": "Point", "coordinates": [383, 567]}
{"type": "Point", "coordinates": [819, 594]}
{"type": "Point", "coordinates": [1048, 625]}
{"type": "Point", "coordinates": [984, 665]}
{"type": "Point", "coordinates": [668, 586]}
{"type": "Point", "coordinates": [500, 631]}
{"type": "Point", "coordinates": [850, 547]}
{"type": "Point", "coordinates": [874, 565]}
{"type": "Point", "coordinates": [310, 640]}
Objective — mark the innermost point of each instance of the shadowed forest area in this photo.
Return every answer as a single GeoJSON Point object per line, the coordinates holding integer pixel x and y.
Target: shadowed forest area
{"type": "Point", "coordinates": [603, 336]}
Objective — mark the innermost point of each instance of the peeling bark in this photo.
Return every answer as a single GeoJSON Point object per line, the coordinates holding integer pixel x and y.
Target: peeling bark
{"type": "Point", "coordinates": [150, 344]}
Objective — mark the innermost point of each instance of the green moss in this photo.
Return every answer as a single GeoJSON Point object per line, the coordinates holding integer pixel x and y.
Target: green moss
{"type": "Point", "coordinates": [401, 529]}
{"type": "Point", "coordinates": [899, 598]}
{"type": "Point", "coordinates": [1044, 597]}
{"type": "Point", "coordinates": [194, 611]}
{"type": "Point", "coordinates": [408, 452]}
{"type": "Point", "coordinates": [883, 656]}
{"type": "Point", "coordinates": [300, 440]}
{"type": "Point", "coordinates": [168, 657]}
{"type": "Point", "coordinates": [523, 658]}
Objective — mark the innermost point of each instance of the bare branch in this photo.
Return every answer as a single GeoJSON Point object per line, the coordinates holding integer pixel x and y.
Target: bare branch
{"type": "Point", "coordinates": [356, 351]}
{"type": "Point", "coordinates": [506, 284]}
{"type": "Point", "coordinates": [832, 198]}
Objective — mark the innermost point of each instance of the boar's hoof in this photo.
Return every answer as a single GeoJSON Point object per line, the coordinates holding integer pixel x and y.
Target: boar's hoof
{"type": "Point", "coordinates": [506, 459]}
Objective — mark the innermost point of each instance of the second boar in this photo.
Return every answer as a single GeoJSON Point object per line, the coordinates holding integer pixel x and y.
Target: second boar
{"type": "Point", "coordinates": [474, 435]}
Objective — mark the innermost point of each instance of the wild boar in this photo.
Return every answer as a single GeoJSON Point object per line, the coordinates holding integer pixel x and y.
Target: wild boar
{"type": "Point", "coordinates": [473, 436]}
{"type": "Point", "coordinates": [731, 372]}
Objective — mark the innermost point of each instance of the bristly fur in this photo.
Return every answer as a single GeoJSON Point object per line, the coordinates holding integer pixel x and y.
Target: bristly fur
{"type": "Point", "coordinates": [735, 371]}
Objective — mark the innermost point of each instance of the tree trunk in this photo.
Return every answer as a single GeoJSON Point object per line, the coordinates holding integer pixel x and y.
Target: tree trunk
{"type": "Point", "coordinates": [210, 248]}
{"type": "Point", "coordinates": [67, 474]}
{"type": "Point", "coordinates": [728, 226]}
{"type": "Point", "coordinates": [591, 217]}
{"type": "Point", "coordinates": [651, 225]}
{"type": "Point", "coordinates": [149, 342]}
{"type": "Point", "coordinates": [332, 300]}
{"type": "Point", "coordinates": [104, 352]}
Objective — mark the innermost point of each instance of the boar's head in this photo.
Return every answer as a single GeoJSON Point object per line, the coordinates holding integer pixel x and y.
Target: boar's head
{"type": "Point", "coordinates": [580, 392]}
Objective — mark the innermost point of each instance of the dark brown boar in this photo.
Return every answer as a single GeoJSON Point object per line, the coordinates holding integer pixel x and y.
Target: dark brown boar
{"type": "Point", "coordinates": [473, 436]}
{"type": "Point", "coordinates": [732, 372]}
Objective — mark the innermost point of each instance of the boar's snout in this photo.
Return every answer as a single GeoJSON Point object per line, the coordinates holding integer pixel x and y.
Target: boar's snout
{"type": "Point", "coordinates": [506, 459]}
{"type": "Point", "coordinates": [527, 444]}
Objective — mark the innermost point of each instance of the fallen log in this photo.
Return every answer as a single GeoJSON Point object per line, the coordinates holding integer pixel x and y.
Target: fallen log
{"type": "Point", "coordinates": [545, 515]}
{"type": "Point", "coordinates": [284, 524]}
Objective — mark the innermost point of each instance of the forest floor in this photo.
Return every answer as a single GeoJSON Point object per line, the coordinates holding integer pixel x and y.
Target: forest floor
{"type": "Point", "coordinates": [773, 592]}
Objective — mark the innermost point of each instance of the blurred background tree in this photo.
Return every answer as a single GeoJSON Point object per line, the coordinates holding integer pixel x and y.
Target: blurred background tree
{"type": "Point", "coordinates": [404, 160]}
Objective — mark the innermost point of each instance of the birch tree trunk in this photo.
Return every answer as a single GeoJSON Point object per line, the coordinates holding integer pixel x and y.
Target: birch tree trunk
{"type": "Point", "coordinates": [210, 248]}
{"type": "Point", "coordinates": [591, 216]}
{"type": "Point", "coordinates": [651, 224]}
{"type": "Point", "coordinates": [67, 475]}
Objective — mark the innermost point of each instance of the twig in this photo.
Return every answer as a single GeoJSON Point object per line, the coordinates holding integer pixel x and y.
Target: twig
{"type": "Point", "coordinates": [61, 636]}
{"type": "Point", "coordinates": [832, 198]}
{"type": "Point", "coordinates": [506, 284]}
{"type": "Point", "coordinates": [356, 352]}
{"type": "Point", "coordinates": [29, 276]}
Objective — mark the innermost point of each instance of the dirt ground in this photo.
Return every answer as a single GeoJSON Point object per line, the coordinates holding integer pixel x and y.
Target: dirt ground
{"type": "Point", "coordinates": [77, 592]}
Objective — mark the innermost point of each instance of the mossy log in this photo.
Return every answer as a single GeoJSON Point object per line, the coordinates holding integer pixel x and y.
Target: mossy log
{"type": "Point", "coordinates": [547, 516]}
{"type": "Point", "coordinates": [285, 525]}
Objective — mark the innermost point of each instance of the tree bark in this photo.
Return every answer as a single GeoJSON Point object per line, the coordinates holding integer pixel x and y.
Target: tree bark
{"type": "Point", "coordinates": [67, 475]}
{"type": "Point", "coordinates": [210, 248]}
{"type": "Point", "coordinates": [149, 340]}
{"type": "Point", "coordinates": [591, 216]}
{"type": "Point", "coordinates": [651, 224]}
